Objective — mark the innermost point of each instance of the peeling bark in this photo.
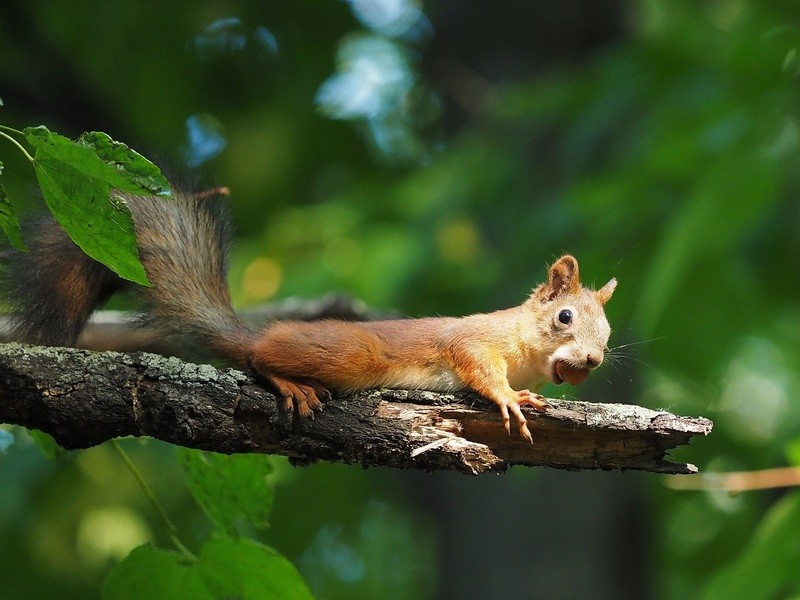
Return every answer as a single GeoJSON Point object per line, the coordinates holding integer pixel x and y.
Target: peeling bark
{"type": "Point", "coordinates": [84, 398]}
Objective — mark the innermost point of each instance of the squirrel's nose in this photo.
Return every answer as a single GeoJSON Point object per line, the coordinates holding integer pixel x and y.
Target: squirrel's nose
{"type": "Point", "coordinates": [594, 359]}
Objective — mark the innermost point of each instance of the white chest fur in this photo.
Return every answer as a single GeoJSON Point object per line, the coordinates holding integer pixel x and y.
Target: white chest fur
{"type": "Point", "coordinates": [417, 378]}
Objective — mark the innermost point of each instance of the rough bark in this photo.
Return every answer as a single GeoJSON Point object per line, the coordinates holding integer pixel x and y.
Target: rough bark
{"type": "Point", "coordinates": [84, 398]}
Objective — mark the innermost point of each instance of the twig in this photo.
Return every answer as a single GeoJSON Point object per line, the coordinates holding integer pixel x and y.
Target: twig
{"type": "Point", "coordinates": [740, 481]}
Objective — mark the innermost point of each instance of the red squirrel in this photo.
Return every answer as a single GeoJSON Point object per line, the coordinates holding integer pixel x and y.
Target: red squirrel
{"type": "Point", "coordinates": [558, 334]}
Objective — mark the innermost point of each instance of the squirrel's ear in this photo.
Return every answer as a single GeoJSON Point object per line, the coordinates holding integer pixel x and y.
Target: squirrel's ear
{"type": "Point", "coordinates": [562, 277]}
{"type": "Point", "coordinates": [605, 292]}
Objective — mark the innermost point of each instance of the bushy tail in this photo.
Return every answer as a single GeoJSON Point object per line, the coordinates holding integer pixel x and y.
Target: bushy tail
{"type": "Point", "coordinates": [182, 245]}
{"type": "Point", "coordinates": [54, 287]}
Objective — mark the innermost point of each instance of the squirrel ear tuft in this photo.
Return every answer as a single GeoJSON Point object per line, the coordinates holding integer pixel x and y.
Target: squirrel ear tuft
{"type": "Point", "coordinates": [605, 292]}
{"type": "Point", "coordinates": [562, 277]}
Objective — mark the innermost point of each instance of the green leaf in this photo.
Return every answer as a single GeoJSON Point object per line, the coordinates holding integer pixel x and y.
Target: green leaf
{"type": "Point", "coordinates": [229, 487]}
{"type": "Point", "coordinates": [143, 175]}
{"type": "Point", "coordinates": [102, 226]}
{"type": "Point", "coordinates": [76, 185]}
{"type": "Point", "coordinates": [9, 220]}
{"type": "Point", "coordinates": [149, 572]}
{"type": "Point", "coordinates": [225, 569]}
{"type": "Point", "coordinates": [793, 452]}
{"type": "Point", "coordinates": [47, 445]}
{"type": "Point", "coordinates": [246, 569]}
{"type": "Point", "coordinates": [768, 566]}
{"type": "Point", "coordinates": [98, 156]}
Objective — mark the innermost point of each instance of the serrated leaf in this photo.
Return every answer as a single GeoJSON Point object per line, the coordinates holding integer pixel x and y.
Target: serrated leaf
{"type": "Point", "coordinates": [229, 487]}
{"type": "Point", "coordinates": [9, 220]}
{"type": "Point", "coordinates": [76, 186]}
{"type": "Point", "coordinates": [98, 156]}
{"type": "Point", "coordinates": [77, 178]}
{"type": "Point", "coordinates": [225, 568]}
{"type": "Point", "coordinates": [80, 157]}
{"type": "Point", "coordinates": [102, 226]}
{"type": "Point", "coordinates": [135, 168]}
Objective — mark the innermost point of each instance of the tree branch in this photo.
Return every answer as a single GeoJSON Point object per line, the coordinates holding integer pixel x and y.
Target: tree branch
{"type": "Point", "coordinates": [84, 398]}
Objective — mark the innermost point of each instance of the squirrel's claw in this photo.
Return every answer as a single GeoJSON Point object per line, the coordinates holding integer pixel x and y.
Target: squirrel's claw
{"type": "Point", "coordinates": [525, 433]}
{"type": "Point", "coordinates": [302, 396]}
{"type": "Point", "coordinates": [506, 418]}
{"type": "Point", "coordinates": [522, 423]}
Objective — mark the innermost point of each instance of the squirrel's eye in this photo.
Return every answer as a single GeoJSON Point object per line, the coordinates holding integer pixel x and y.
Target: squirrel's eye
{"type": "Point", "coordinates": [565, 316]}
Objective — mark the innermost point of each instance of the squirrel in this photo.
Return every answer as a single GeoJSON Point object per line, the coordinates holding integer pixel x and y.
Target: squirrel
{"type": "Point", "coordinates": [559, 333]}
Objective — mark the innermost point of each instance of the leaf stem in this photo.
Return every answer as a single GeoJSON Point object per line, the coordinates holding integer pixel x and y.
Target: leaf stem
{"type": "Point", "coordinates": [12, 130]}
{"type": "Point", "coordinates": [171, 529]}
{"type": "Point", "coordinates": [15, 142]}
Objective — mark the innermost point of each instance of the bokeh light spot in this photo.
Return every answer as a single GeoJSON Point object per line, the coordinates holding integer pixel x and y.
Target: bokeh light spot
{"type": "Point", "coordinates": [204, 139]}
{"type": "Point", "coordinates": [261, 279]}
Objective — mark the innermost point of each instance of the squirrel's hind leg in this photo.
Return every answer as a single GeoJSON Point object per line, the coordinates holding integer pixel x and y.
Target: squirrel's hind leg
{"type": "Point", "coordinates": [302, 394]}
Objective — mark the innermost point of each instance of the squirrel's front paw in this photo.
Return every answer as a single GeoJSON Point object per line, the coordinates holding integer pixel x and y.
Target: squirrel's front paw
{"type": "Point", "coordinates": [537, 401]}
{"type": "Point", "coordinates": [513, 406]}
{"type": "Point", "coordinates": [522, 423]}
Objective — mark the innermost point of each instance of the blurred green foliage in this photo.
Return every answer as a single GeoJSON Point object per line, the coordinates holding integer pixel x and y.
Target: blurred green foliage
{"type": "Point", "coordinates": [666, 157]}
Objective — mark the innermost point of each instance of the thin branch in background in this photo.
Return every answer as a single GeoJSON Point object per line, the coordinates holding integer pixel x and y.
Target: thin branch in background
{"type": "Point", "coordinates": [740, 481]}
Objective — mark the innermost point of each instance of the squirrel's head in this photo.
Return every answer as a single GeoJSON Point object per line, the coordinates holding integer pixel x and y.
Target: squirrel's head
{"type": "Point", "coordinates": [572, 321]}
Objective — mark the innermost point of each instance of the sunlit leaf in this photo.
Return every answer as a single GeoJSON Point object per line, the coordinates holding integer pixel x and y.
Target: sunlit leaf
{"type": "Point", "coordinates": [225, 568]}
{"type": "Point", "coordinates": [246, 569]}
{"type": "Point", "coordinates": [229, 487]}
{"type": "Point", "coordinates": [149, 572]}
{"type": "Point", "coordinates": [793, 452]}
